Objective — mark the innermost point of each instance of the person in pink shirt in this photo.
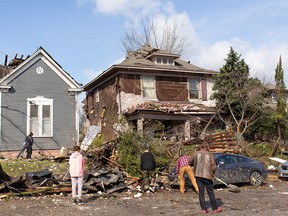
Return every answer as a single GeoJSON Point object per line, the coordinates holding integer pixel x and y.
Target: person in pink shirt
{"type": "Point", "coordinates": [76, 168]}
{"type": "Point", "coordinates": [183, 167]}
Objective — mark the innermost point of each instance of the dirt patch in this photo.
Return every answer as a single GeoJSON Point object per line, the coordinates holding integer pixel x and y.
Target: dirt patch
{"type": "Point", "coordinates": [269, 199]}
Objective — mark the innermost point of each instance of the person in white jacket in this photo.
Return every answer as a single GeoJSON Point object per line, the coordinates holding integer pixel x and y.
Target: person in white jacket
{"type": "Point", "coordinates": [76, 168]}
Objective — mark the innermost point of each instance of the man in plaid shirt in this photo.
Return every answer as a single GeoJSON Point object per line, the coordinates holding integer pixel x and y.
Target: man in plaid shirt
{"type": "Point", "coordinates": [183, 167]}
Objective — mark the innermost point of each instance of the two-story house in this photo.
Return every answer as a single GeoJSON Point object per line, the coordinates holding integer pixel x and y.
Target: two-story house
{"type": "Point", "coordinates": [150, 84]}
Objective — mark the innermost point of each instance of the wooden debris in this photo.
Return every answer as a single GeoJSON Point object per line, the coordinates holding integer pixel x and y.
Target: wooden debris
{"type": "Point", "coordinates": [220, 142]}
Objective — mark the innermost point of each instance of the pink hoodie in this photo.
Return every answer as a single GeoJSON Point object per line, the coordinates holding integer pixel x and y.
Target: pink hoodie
{"type": "Point", "coordinates": [76, 163]}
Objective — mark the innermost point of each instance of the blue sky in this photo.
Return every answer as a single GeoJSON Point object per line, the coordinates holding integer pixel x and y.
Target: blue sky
{"type": "Point", "coordinates": [83, 36]}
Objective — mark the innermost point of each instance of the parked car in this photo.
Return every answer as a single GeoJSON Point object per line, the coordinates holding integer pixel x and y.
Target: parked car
{"type": "Point", "coordinates": [232, 168]}
{"type": "Point", "coordinates": [283, 170]}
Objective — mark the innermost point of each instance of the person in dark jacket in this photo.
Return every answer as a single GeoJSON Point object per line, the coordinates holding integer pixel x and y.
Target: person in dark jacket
{"type": "Point", "coordinates": [29, 143]}
{"type": "Point", "coordinates": [148, 166]}
{"type": "Point", "coordinates": [204, 169]}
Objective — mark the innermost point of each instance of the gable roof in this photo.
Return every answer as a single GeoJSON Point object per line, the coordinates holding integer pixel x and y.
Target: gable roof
{"type": "Point", "coordinates": [142, 60]}
{"type": "Point", "coordinates": [46, 57]}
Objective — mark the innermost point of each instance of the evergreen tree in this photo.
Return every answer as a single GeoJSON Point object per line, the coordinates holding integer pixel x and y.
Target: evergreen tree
{"type": "Point", "coordinates": [239, 99]}
{"type": "Point", "coordinates": [280, 90]}
{"type": "Point", "coordinates": [280, 116]}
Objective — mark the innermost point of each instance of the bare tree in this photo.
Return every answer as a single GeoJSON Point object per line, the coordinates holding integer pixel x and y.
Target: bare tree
{"type": "Point", "coordinates": [170, 37]}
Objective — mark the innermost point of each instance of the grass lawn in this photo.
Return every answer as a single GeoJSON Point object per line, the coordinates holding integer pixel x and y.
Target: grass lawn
{"type": "Point", "coordinates": [17, 168]}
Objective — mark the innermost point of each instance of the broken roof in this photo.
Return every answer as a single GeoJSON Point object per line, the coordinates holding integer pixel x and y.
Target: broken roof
{"type": "Point", "coordinates": [170, 107]}
{"type": "Point", "coordinates": [4, 70]}
{"type": "Point", "coordinates": [142, 57]}
{"type": "Point", "coordinates": [18, 68]}
{"type": "Point", "coordinates": [142, 60]}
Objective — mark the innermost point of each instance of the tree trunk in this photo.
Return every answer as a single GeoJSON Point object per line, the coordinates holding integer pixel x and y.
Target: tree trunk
{"type": "Point", "coordinates": [276, 145]}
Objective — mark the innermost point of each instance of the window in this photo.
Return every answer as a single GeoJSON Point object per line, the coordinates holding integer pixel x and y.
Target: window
{"type": "Point", "coordinates": [164, 61]}
{"type": "Point", "coordinates": [194, 89]}
{"type": "Point", "coordinates": [40, 116]}
{"type": "Point", "coordinates": [243, 159]}
{"type": "Point", "coordinates": [227, 159]}
{"type": "Point", "coordinates": [273, 97]}
{"type": "Point", "coordinates": [159, 60]}
{"type": "Point", "coordinates": [97, 99]}
{"type": "Point", "coordinates": [148, 87]}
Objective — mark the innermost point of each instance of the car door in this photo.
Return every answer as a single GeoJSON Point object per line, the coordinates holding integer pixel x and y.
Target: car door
{"type": "Point", "coordinates": [245, 168]}
{"type": "Point", "coordinates": [228, 169]}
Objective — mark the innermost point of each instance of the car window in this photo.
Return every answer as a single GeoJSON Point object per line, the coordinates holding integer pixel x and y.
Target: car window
{"type": "Point", "coordinates": [243, 159]}
{"type": "Point", "coordinates": [227, 159]}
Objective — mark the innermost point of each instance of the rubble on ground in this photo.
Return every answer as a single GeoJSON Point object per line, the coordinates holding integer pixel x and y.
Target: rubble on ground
{"type": "Point", "coordinates": [100, 179]}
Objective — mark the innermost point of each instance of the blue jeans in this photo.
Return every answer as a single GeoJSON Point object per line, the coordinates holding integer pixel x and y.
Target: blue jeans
{"type": "Point", "coordinates": [23, 147]}
{"type": "Point", "coordinates": [208, 184]}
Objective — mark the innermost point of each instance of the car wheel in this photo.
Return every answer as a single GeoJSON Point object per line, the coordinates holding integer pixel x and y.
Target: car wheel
{"type": "Point", "coordinates": [256, 178]}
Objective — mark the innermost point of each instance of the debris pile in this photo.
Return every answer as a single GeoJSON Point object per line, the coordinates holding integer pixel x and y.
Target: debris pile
{"type": "Point", "coordinates": [101, 178]}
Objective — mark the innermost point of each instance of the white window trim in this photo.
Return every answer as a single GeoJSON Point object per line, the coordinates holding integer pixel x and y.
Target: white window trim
{"type": "Point", "coordinates": [162, 61]}
{"type": "Point", "coordinates": [39, 100]}
{"type": "Point", "coordinates": [154, 85]}
{"type": "Point", "coordinates": [199, 90]}
{"type": "Point", "coordinates": [97, 97]}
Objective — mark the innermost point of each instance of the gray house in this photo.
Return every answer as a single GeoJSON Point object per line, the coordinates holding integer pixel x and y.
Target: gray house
{"type": "Point", "coordinates": [38, 95]}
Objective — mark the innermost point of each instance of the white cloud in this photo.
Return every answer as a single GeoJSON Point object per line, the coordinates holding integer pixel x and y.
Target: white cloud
{"type": "Point", "coordinates": [262, 60]}
{"type": "Point", "coordinates": [261, 56]}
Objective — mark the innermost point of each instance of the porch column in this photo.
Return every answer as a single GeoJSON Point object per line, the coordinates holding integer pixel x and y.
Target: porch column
{"type": "Point", "coordinates": [187, 129]}
{"type": "Point", "coordinates": [140, 125]}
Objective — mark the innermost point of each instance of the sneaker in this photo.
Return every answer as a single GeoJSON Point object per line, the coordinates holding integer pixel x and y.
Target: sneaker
{"type": "Point", "coordinates": [205, 211]}
{"type": "Point", "coordinates": [80, 201]}
{"type": "Point", "coordinates": [219, 209]}
{"type": "Point", "coordinates": [74, 201]}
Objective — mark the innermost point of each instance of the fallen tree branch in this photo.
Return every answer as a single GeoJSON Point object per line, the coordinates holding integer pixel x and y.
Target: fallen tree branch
{"type": "Point", "coordinates": [111, 161]}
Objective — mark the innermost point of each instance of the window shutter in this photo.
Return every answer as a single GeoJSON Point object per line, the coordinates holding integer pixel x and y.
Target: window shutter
{"type": "Point", "coordinates": [204, 90]}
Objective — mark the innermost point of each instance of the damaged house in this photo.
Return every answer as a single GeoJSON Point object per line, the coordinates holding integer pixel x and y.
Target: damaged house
{"type": "Point", "coordinates": [151, 84]}
{"type": "Point", "coordinates": [37, 95]}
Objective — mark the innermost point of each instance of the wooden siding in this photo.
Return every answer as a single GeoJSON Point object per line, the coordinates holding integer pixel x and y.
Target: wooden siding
{"type": "Point", "coordinates": [171, 88]}
{"type": "Point", "coordinates": [130, 84]}
{"type": "Point", "coordinates": [90, 108]}
{"type": "Point", "coordinates": [29, 84]}
{"type": "Point", "coordinates": [204, 89]}
{"type": "Point", "coordinates": [106, 110]}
